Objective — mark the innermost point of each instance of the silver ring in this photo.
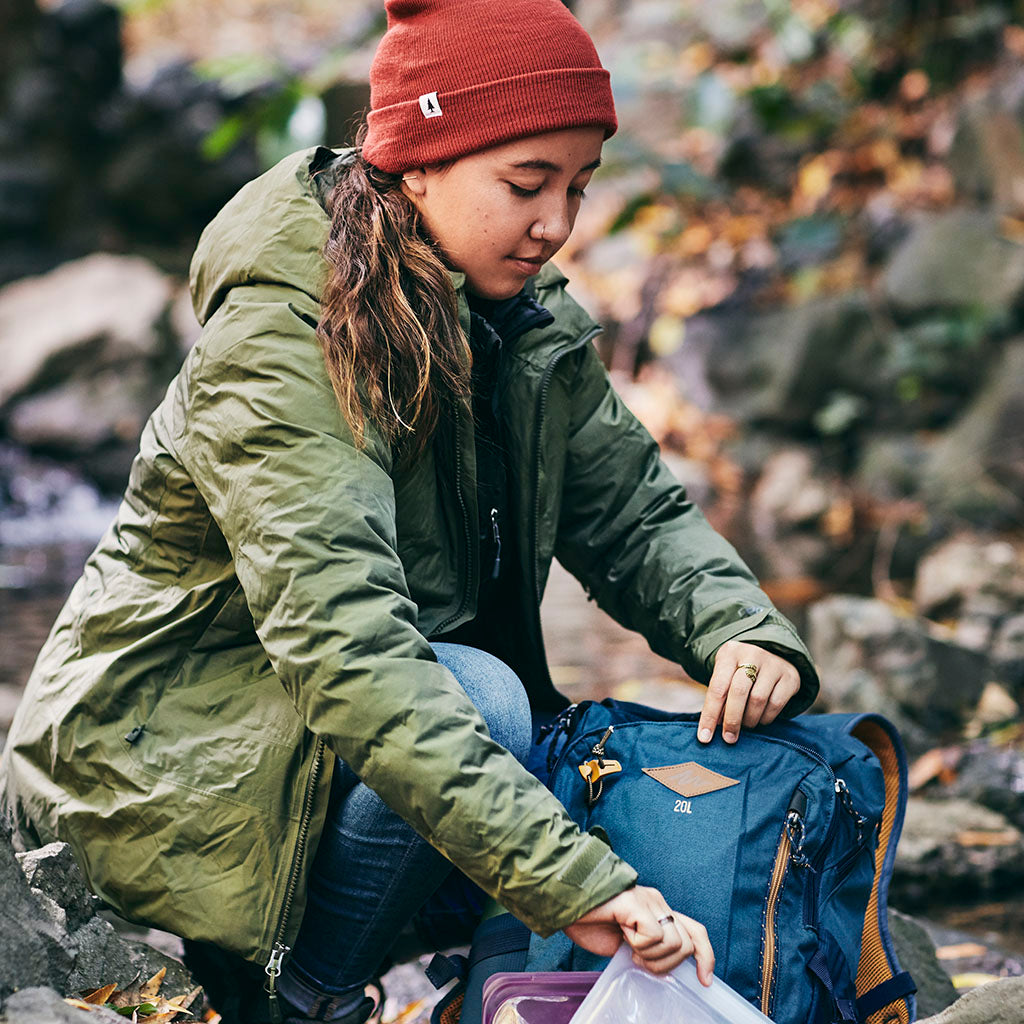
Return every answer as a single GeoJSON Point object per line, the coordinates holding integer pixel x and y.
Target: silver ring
{"type": "Point", "coordinates": [667, 919]}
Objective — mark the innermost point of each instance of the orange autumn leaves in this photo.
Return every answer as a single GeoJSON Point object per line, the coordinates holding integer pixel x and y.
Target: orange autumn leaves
{"type": "Point", "coordinates": [139, 1002]}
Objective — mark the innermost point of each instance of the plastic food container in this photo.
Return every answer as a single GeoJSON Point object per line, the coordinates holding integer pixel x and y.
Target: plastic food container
{"type": "Point", "coordinates": [539, 997]}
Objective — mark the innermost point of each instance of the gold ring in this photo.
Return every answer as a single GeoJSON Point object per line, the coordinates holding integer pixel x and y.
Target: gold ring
{"type": "Point", "coordinates": [751, 671]}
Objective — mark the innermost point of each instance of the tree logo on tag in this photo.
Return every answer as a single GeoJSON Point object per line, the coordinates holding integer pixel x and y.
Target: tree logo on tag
{"type": "Point", "coordinates": [429, 105]}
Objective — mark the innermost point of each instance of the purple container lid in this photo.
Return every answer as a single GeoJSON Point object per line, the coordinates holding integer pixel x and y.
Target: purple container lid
{"type": "Point", "coordinates": [541, 997]}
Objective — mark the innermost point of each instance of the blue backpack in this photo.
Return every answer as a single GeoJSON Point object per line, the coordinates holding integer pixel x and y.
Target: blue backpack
{"type": "Point", "coordinates": [781, 844]}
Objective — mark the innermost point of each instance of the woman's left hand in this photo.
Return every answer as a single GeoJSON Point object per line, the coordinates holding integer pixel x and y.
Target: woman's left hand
{"type": "Point", "coordinates": [735, 699]}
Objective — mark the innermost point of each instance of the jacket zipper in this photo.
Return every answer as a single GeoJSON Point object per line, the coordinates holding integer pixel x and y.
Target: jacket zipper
{"type": "Point", "coordinates": [545, 383]}
{"type": "Point", "coordinates": [789, 849]}
{"type": "Point", "coordinates": [496, 571]}
{"type": "Point", "coordinates": [467, 535]}
{"type": "Point", "coordinates": [280, 950]}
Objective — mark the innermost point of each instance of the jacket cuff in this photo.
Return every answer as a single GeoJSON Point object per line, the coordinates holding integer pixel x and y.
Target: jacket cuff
{"type": "Point", "coordinates": [763, 626]}
{"type": "Point", "coordinates": [592, 877]}
{"type": "Point", "coordinates": [809, 682]}
{"type": "Point", "coordinates": [776, 634]}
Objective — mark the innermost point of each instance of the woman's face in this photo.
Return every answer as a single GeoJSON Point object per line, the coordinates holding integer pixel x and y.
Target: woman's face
{"type": "Point", "coordinates": [499, 215]}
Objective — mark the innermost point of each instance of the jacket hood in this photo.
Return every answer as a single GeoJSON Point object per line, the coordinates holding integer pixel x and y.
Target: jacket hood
{"type": "Point", "coordinates": [274, 230]}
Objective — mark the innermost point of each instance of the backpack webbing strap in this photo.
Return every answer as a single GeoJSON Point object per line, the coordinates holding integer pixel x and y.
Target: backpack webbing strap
{"type": "Point", "coordinates": [897, 987]}
{"type": "Point", "coordinates": [443, 969]}
{"type": "Point", "coordinates": [504, 936]}
{"type": "Point", "coordinates": [878, 962]}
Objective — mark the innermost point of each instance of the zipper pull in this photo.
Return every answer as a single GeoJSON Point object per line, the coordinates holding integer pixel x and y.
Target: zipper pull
{"type": "Point", "coordinates": [598, 747]}
{"type": "Point", "coordinates": [272, 970]}
{"type": "Point", "coordinates": [846, 800]}
{"type": "Point", "coordinates": [497, 544]}
{"type": "Point", "coordinates": [795, 828]}
{"type": "Point", "coordinates": [595, 770]}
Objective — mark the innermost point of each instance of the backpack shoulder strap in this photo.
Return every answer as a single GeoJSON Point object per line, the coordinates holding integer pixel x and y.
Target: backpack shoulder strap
{"type": "Point", "coordinates": [885, 993]}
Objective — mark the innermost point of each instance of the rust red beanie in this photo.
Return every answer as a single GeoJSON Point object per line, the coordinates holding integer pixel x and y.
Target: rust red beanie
{"type": "Point", "coordinates": [451, 77]}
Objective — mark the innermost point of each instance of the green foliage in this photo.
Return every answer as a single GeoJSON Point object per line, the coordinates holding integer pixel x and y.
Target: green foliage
{"type": "Point", "coordinates": [629, 212]}
{"type": "Point", "coordinates": [939, 351]}
{"type": "Point", "coordinates": [810, 239]}
{"type": "Point", "coordinates": [145, 1009]}
{"type": "Point", "coordinates": [130, 7]}
{"type": "Point", "coordinates": [268, 96]}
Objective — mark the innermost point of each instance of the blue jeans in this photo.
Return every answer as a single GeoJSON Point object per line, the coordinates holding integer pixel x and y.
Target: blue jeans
{"type": "Point", "coordinates": [373, 874]}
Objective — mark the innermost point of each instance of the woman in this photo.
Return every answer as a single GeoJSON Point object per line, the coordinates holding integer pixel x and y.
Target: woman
{"type": "Point", "coordinates": [313, 627]}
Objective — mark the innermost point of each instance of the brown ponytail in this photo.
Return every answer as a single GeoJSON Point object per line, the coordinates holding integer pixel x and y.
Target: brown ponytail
{"type": "Point", "coordinates": [389, 328]}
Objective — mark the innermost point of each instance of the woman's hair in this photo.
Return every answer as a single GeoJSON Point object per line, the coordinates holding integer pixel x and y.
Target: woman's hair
{"type": "Point", "coordinates": [389, 328]}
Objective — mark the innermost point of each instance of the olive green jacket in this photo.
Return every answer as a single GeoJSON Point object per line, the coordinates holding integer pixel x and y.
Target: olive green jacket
{"type": "Point", "coordinates": [264, 598]}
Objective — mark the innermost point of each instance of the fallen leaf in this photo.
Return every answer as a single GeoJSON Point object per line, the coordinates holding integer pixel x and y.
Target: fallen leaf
{"type": "Point", "coordinates": [980, 837]}
{"type": "Point", "coordinates": [961, 950]}
{"type": "Point", "coordinates": [410, 1013]}
{"type": "Point", "coordinates": [939, 763]}
{"type": "Point", "coordinates": [971, 979]}
{"type": "Point", "coordinates": [80, 1004]}
{"type": "Point", "coordinates": [186, 998]}
{"type": "Point", "coordinates": [100, 996]}
{"type": "Point", "coordinates": [152, 987]}
{"type": "Point", "coordinates": [796, 590]}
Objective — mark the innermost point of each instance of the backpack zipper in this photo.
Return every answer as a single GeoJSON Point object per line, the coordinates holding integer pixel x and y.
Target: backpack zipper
{"type": "Point", "coordinates": [790, 848]}
{"type": "Point", "coordinates": [280, 950]}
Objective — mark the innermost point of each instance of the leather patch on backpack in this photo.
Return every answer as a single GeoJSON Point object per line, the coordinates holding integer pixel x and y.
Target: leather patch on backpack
{"type": "Point", "coordinates": [690, 779]}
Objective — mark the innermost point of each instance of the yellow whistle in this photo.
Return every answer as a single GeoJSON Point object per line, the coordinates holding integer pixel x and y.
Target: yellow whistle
{"type": "Point", "coordinates": [594, 770]}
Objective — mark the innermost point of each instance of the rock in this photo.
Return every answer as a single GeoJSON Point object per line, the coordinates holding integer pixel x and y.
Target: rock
{"type": "Point", "coordinates": [996, 707]}
{"type": "Point", "coordinates": [987, 156]}
{"type": "Point", "coordinates": [958, 258]}
{"type": "Point", "coordinates": [50, 934]}
{"type": "Point", "coordinates": [1008, 652]}
{"type": "Point", "coordinates": [779, 366]}
{"type": "Point", "coordinates": [891, 465]}
{"type": "Point", "coordinates": [101, 958]}
{"type": "Point", "coordinates": [993, 777]}
{"type": "Point", "coordinates": [977, 469]}
{"type": "Point", "coordinates": [45, 1006]}
{"type": "Point", "coordinates": [977, 580]}
{"type": "Point", "coordinates": [33, 950]}
{"type": "Point", "coordinates": [916, 953]}
{"type": "Point", "coordinates": [730, 24]}
{"type": "Point", "coordinates": [951, 844]}
{"type": "Point", "coordinates": [998, 1002]}
{"type": "Point", "coordinates": [791, 491]}
{"type": "Point", "coordinates": [874, 658]}
{"type": "Point", "coordinates": [183, 321]}
{"type": "Point", "coordinates": [53, 872]}
{"type": "Point", "coordinates": [102, 309]}
{"type": "Point", "coordinates": [787, 505]}
{"type": "Point", "coordinates": [86, 414]}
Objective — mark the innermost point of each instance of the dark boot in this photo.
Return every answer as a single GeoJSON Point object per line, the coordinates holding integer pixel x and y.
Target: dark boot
{"type": "Point", "coordinates": [236, 989]}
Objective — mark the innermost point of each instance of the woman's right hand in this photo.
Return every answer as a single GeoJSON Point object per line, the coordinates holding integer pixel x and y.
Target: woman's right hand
{"type": "Point", "coordinates": [638, 915]}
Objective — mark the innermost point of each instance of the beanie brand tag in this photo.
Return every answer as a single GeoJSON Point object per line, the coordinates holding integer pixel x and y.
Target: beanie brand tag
{"type": "Point", "coordinates": [429, 105]}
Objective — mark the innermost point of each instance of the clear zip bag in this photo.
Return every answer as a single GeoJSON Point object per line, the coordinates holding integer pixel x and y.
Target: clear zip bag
{"type": "Point", "coordinates": [627, 994]}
